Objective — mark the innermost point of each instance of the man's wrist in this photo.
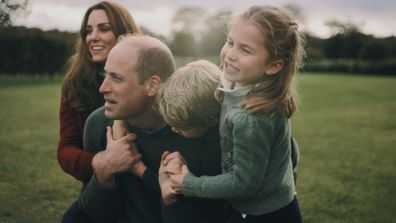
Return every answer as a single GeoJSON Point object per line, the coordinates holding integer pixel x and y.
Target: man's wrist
{"type": "Point", "coordinates": [104, 176]}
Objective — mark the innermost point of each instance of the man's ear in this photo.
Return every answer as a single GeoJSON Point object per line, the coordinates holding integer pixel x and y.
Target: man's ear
{"type": "Point", "coordinates": [274, 67]}
{"type": "Point", "coordinates": [152, 85]}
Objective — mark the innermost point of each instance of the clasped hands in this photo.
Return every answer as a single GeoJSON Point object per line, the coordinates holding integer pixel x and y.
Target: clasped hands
{"type": "Point", "coordinates": [173, 169]}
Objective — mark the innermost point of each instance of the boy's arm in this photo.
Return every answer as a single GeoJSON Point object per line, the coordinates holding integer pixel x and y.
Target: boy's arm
{"type": "Point", "coordinates": [148, 176]}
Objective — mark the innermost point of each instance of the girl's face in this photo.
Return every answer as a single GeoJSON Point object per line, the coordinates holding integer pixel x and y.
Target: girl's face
{"type": "Point", "coordinates": [244, 55]}
{"type": "Point", "coordinates": [100, 37]}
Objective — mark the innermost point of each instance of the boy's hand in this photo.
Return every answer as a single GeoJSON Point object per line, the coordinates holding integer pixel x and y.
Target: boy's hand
{"type": "Point", "coordinates": [168, 196]}
{"type": "Point", "coordinates": [173, 163]}
{"type": "Point", "coordinates": [138, 169]}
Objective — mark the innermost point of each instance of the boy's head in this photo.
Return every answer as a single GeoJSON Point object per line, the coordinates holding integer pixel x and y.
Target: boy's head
{"type": "Point", "coordinates": [186, 101]}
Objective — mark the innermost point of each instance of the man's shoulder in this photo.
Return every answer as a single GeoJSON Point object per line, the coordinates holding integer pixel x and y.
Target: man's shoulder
{"type": "Point", "coordinates": [98, 117]}
{"type": "Point", "coordinates": [97, 114]}
{"type": "Point", "coordinates": [95, 130]}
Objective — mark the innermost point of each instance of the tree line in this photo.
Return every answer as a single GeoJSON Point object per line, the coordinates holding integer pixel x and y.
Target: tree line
{"type": "Point", "coordinates": [195, 34]}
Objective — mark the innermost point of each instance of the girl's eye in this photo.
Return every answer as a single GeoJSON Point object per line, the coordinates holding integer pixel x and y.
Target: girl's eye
{"type": "Point", "coordinates": [247, 51]}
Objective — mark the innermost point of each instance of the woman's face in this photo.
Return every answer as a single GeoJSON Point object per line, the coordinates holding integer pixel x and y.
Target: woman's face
{"type": "Point", "coordinates": [100, 37]}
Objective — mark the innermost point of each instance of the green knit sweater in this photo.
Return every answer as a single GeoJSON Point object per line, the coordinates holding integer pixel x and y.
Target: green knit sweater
{"type": "Point", "coordinates": [257, 173]}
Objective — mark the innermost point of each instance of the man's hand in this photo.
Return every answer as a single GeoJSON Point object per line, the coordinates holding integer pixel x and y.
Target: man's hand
{"type": "Point", "coordinates": [120, 156]}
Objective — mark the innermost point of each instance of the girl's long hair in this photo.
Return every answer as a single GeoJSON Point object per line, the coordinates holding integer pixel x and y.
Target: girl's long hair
{"type": "Point", "coordinates": [283, 41]}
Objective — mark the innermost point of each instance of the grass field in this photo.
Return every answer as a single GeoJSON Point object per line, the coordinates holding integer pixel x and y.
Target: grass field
{"type": "Point", "coordinates": [346, 128]}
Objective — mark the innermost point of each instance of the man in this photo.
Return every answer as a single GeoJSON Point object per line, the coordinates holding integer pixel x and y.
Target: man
{"type": "Point", "coordinates": [135, 69]}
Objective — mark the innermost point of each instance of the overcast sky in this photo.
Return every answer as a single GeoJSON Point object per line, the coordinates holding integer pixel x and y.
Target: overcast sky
{"type": "Point", "coordinates": [375, 17]}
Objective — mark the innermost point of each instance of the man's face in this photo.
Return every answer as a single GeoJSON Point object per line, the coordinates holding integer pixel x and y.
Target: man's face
{"type": "Point", "coordinates": [125, 98]}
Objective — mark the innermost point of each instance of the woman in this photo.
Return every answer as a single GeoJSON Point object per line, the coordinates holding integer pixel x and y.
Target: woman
{"type": "Point", "coordinates": [101, 25]}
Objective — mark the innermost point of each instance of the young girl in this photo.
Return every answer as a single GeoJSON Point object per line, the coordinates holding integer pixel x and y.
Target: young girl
{"type": "Point", "coordinates": [260, 57]}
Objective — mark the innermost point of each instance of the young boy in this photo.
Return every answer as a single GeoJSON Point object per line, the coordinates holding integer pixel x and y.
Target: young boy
{"type": "Point", "coordinates": [187, 102]}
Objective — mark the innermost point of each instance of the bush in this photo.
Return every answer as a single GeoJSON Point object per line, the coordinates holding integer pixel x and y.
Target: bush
{"type": "Point", "coordinates": [387, 66]}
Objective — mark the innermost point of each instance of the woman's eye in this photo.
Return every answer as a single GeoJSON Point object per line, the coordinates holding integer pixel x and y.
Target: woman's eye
{"type": "Point", "coordinates": [88, 30]}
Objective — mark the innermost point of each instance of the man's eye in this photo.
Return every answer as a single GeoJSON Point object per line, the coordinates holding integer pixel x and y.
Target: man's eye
{"type": "Point", "coordinates": [116, 78]}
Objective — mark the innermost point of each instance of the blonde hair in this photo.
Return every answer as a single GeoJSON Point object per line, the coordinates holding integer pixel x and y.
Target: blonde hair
{"type": "Point", "coordinates": [283, 41]}
{"type": "Point", "coordinates": [187, 99]}
{"type": "Point", "coordinates": [81, 82]}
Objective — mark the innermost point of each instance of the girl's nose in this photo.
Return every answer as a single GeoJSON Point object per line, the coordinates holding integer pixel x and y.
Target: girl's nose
{"type": "Point", "coordinates": [231, 54]}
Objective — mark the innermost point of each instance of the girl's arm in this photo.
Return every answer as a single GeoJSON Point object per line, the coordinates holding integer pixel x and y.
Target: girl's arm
{"type": "Point", "coordinates": [249, 142]}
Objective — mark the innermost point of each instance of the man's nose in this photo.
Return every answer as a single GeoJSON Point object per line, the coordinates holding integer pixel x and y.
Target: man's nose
{"type": "Point", "coordinates": [104, 87]}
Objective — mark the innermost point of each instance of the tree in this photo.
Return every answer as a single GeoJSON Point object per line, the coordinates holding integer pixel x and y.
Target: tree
{"type": "Point", "coordinates": [375, 49]}
{"type": "Point", "coordinates": [8, 8]}
{"type": "Point", "coordinates": [187, 26]}
{"type": "Point", "coordinates": [343, 28]}
{"type": "Point", "coordinates": [346, 41]}
{"type": "Point", "coordinates": [215, 34]}
{"type": "Point", "coordinates": [189, 19]}
{"type": "Point", "coordinates": [183, 44]}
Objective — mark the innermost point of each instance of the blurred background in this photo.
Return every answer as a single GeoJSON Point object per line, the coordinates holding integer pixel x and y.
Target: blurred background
{"type": "Point", "coordinates": [356, 36]}
{"type": "Point", "coordinates": [345, 125]}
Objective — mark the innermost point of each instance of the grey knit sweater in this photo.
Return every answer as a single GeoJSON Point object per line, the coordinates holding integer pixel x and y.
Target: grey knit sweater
{"type": "Point", "coordinates": [257, 175]}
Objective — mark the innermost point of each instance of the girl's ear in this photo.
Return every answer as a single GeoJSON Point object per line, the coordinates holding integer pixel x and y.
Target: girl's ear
{"type": "Point", "coordinates": [274, 67]}
{"type": "Point", "coordinates": [152, 85]}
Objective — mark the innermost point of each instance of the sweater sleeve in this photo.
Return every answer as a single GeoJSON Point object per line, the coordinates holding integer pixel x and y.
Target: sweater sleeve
{"type": "Point", "coordinates": [250, 138]}
{"type": "Point", "coordinates": [102, 204]}
{"type": "Point", "coordinates": [70, 154]}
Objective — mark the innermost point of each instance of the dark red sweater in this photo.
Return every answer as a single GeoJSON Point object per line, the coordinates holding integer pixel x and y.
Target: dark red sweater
{"type": "Point", "coordinates": [71, 156]}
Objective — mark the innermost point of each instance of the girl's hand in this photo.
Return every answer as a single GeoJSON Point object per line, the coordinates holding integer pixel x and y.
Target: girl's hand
{"type": "Point", "coordinates": [177, 180]}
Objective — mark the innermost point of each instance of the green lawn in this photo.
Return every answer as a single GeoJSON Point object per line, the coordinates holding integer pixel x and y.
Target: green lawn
{"type": "Point", "coordinates": [346, 127]}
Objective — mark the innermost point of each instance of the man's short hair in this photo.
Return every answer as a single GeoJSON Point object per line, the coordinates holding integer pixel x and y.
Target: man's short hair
{"type": "Point", "coordinates": [187, 99]}
{"type": "Point", "coordinates": [154, 56]}
{"type": "Point", "coordinates": [154, 61]}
